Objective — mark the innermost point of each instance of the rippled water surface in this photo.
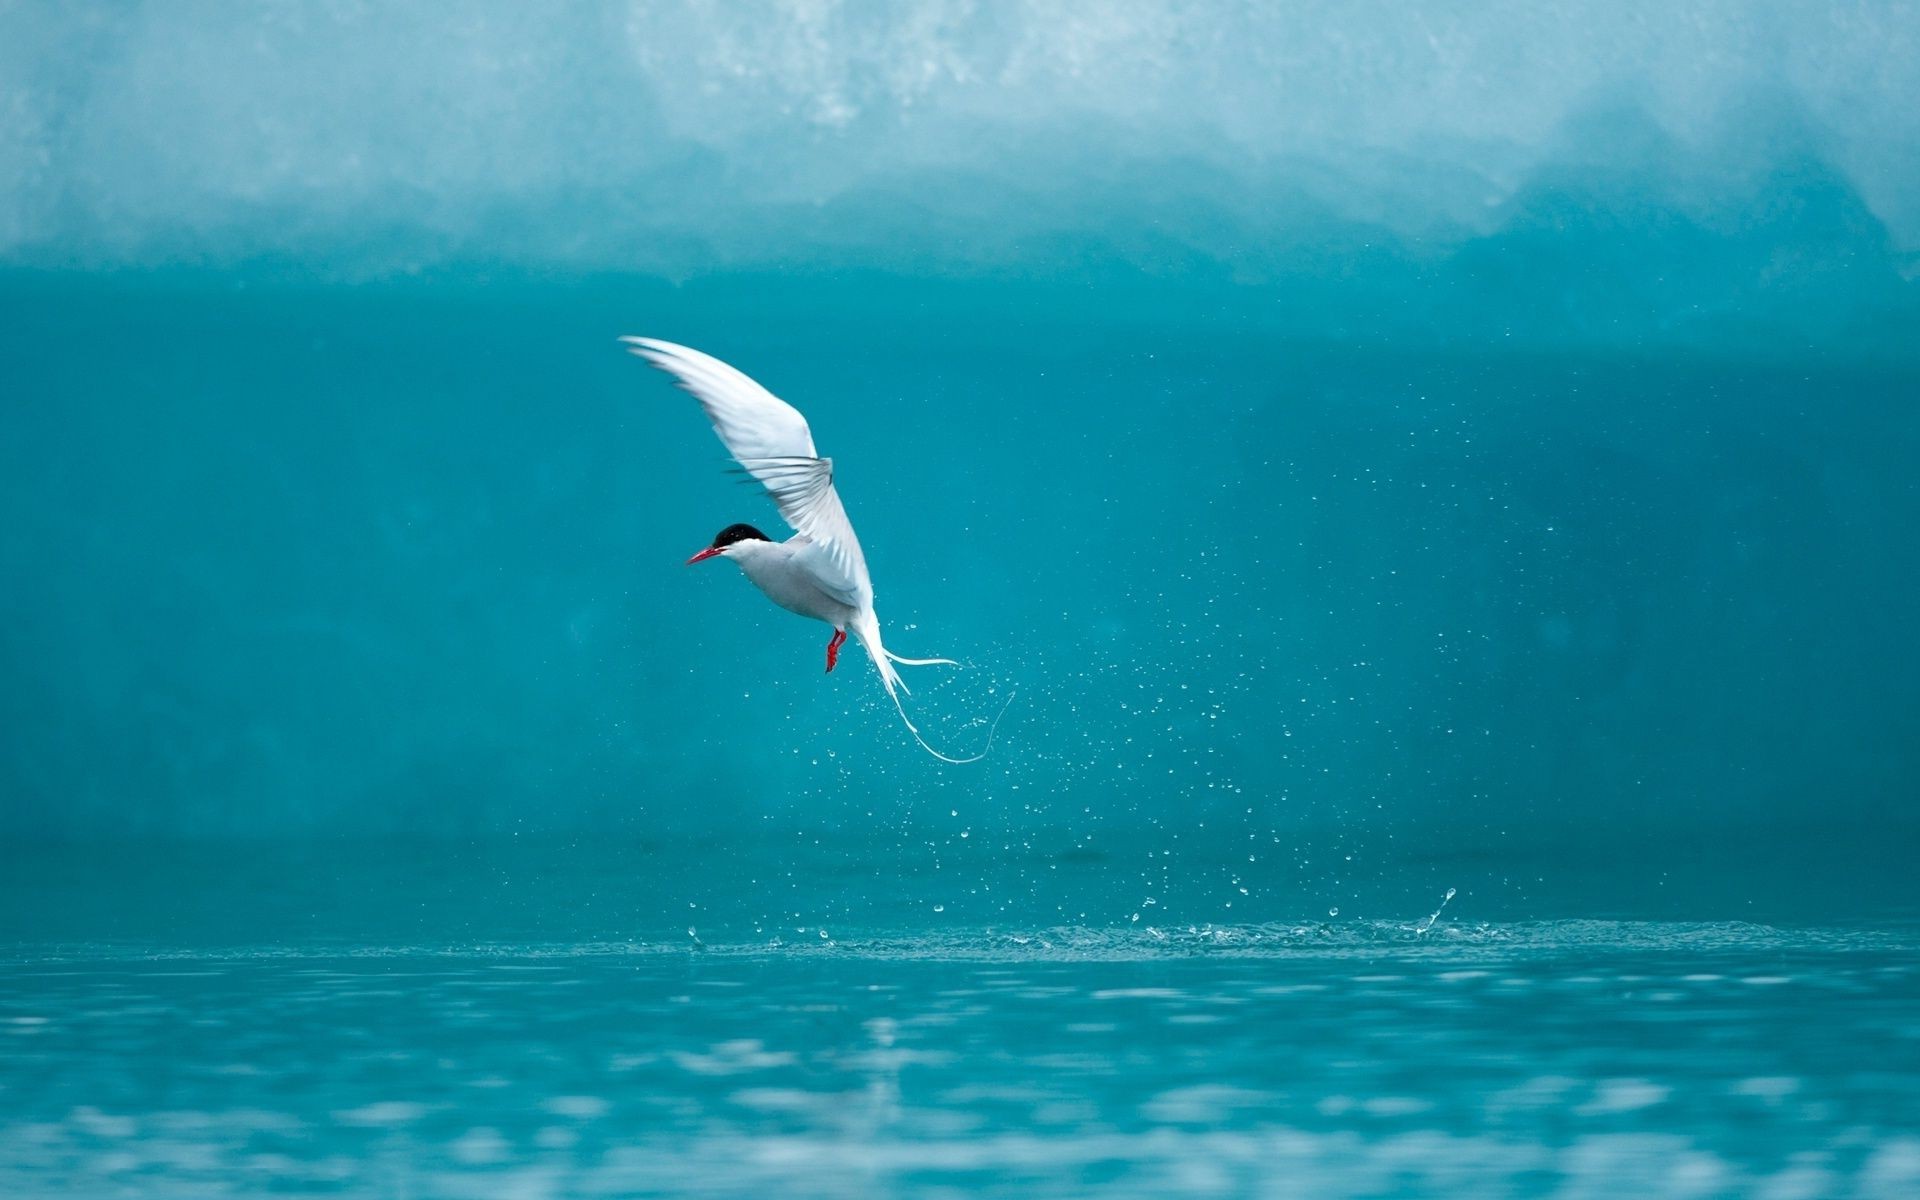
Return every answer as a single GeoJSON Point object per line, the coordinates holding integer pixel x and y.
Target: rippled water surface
{"type": "Point", "coordinates": [1321, 1058]}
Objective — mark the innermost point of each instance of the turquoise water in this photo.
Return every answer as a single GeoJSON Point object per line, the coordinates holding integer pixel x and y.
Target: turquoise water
{"type": "Point", "coordinates": [1436, 487]}
{"type": "Point", "coordinates": [1333, 1057]}
{"type": "Point", "coordinates": [856, 1019]}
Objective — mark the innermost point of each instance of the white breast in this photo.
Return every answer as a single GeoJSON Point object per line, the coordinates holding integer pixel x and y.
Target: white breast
{"type": "Point", "coordinates": [779, 569]}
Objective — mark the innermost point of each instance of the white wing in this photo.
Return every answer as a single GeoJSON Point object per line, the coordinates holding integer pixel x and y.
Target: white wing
{"type": "Point", "coordinates": [770, 439]}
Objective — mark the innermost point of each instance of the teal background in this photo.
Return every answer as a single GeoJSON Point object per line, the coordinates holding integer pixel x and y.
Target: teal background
{"type": "Point", "coordinates": [1355, 434]}
{"type": "Point", "coordinates": [1436, 481]}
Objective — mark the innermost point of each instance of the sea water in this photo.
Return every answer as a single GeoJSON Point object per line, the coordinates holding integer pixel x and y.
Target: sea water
{"type": "Point", "coordinates": [1432, 491]}
{"type": "Point", "coordinates": [1564, 1058]}
{"type": "Point", "coordinates": [432, 1036]}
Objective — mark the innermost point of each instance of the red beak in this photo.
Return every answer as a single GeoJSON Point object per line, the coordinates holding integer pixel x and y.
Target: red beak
{"type": "Point", "coordinates": [709, 552]}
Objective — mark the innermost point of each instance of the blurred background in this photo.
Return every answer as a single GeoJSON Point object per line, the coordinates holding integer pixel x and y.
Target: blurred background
{"type": "Point", "coordinates": [1383, 450]}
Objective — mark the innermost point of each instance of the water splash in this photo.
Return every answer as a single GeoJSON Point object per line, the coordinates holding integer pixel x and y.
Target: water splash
{"type": "Point", "coordinates": [1427, 924]}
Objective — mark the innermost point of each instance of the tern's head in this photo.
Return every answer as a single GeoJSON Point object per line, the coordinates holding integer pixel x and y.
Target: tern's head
{"type": "Point", "coordinates": [728, 538]}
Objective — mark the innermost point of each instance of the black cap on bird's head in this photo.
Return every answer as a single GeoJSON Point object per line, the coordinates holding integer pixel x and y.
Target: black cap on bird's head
{"type": "Point", "coordinates": [729, 536]}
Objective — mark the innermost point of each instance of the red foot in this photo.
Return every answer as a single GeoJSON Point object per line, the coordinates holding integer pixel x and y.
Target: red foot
{"type": "Point", "coordinates": [833, 648]}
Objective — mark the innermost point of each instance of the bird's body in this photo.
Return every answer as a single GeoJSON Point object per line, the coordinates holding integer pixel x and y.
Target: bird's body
{"type": "Point", "coordinates": [782, 570]}
{"type": "Point", "coordinates": [821, 571]}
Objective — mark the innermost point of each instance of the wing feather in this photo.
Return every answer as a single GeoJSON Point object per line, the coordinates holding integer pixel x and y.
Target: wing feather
{"type": "Point", "coordinates": [770, 440]}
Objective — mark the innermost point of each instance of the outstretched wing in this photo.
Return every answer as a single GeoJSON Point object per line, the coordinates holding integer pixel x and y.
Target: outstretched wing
{"type": "Point", "coordinates": [769, 438]}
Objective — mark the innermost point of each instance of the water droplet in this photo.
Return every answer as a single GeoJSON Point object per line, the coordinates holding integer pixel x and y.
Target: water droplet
{"type": "Point", "coordinates": [1427, 924]}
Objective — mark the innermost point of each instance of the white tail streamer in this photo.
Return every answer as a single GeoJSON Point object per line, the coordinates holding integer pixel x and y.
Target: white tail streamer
{"type": "Point", "coordinates": [883, 659]}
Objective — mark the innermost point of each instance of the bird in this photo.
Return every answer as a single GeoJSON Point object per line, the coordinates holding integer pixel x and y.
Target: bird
{"type": "Point", "coordinates": [819, 572]}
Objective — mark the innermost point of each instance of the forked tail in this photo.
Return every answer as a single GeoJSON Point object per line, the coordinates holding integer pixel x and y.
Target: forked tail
{"type": "Point", "coordinates": [868, 632]}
